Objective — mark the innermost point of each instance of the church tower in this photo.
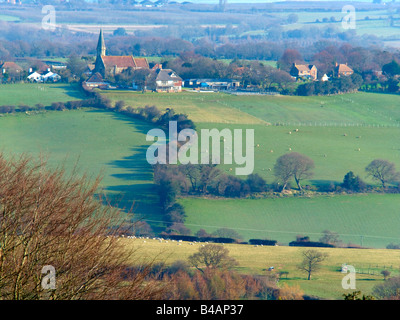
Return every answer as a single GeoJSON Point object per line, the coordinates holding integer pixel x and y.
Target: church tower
{"type": "Point", "coordinates": [101, 45]}
{"type": "Point", "coordinates": [101, 52]}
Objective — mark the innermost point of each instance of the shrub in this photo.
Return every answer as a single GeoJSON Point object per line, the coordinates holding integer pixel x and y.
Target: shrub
{"type": "Point", "coordinates": [263, 242]}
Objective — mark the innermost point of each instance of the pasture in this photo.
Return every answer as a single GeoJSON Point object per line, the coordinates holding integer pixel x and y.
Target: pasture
{"type": "Point", "coordinates": [340, 133]}
{"type": "Point", "coordinates": [97, 142]}
{"type": "Point", "coordinates": [33, 93]}
{"type": "Point", "coordinates": [256, 260]}
{"type": "Point", "coordinates": [335, 150]}
{"type": "Point", "coordinates": [371, 220]}
{"type": "Point", "coordinates": [369, 109]}
{"type": "Point", "coordinates": [201, 107]}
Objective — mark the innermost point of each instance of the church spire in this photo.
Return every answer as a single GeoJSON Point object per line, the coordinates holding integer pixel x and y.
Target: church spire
{"type": "Point", "coordinates": [101, 46]}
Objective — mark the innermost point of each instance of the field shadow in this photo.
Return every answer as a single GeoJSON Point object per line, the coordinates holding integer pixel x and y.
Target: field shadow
{"type": "Point", "coordinates": [137, 193]}
{"type": "Point", "coordinates": [72, 91]}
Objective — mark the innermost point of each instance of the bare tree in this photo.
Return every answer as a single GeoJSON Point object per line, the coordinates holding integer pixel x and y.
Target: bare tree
{"type": "Point", "coordinates": [49, 218]}
{"type": "Point", "coordinates": [386, 274]}
{"type": "Point", "coordinates": [330, 237]}
{"type": "Point", "coordinates": [293, 165]}
{"type": "Point", "coordinates": [212, 256]}
{"type": "Point", "coordinates": [311, 261]}
{"type": "Point", "coordinates": [382, 170]}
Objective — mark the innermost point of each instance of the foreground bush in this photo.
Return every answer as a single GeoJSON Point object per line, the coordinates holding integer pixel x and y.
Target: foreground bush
{"type": "Point", "coordinates": [49, 219]}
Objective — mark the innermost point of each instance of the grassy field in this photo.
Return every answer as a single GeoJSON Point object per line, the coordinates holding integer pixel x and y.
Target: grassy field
{"type": "Point", "coordinates": [335, 150]}
{"type": "Point", "coordinates": [340, 133]}
{"type": "Point", "coordinates": [201, 107]}
{"type": "Point", "coordinates": [102, 142]}
{"type": "Point", "coordinates": [370, 220]}
{"type": "Point", "coordinates": [256, 260]}
{"type": "Point", "coordinates": [33, 93]}
{"type": "Point", "coordinates": [348, 109]}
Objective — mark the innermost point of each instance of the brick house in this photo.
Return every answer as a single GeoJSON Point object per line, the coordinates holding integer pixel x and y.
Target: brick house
{"type": "Point", "coordinates": [304, 71]}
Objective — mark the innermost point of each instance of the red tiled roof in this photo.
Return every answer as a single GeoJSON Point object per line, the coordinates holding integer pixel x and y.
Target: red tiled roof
{"type": "Point", "coordinates": [10, 65]}
{"type": "Point", "coordinates": [95, 78]}
{"type": "Point", "coordinates": [141, 63]}
{"type": "Point", "coordinates": [303, 67]}
{"type": "Point", "coordinates": [344, 68]}
{"type": "Point", "coordinates": [119, 61]}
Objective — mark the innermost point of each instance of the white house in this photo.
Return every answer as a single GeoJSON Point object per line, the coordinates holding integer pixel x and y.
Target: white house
{"type": "Point", "coordinates": [45, 77]}
{"type": "Point", "coordinates": [168, 81]}
{"type": "Point", "coordinates": [325, 77]}
{"type": "Point", "coordinates": [51, 76]}
{"type": "Point", "coordinates": [37, 77]}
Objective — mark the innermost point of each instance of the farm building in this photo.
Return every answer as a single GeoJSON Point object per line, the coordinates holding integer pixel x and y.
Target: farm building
{"type": "Point", "coordinates": [213, 84]}
{"type": "Point", "coordinates": [304, 71]}
{"type": "Point", "coordinates": [115, 64]}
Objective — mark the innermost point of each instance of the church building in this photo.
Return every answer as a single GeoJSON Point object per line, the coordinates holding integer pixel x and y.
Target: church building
{"type": "Point", "coordinates": [113, 65]}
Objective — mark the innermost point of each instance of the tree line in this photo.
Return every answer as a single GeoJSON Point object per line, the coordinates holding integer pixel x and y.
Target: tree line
{"type": "Point", "coordinates": [175, 181]}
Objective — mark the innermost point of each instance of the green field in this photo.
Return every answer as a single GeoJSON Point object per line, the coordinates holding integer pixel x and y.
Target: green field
{"type": "Point", "coordinates": [372, 220]}
{"type": "Point", "coordinates": [340, 133]}
{"type": "Point", "coordinates": [256, 260]}
{"type": "Point", "coordinates": [335, 150]}
{"type": "Point", "coordinates": [33, 93]}
{"type": "Point", "coordinates": [98, 142]}
{"type": "Point", "coordinates": [338, 110]}
{"type": "Point", "coordinates": [201, 107]}
{"type": "Point", "coordinates": [9, 18]}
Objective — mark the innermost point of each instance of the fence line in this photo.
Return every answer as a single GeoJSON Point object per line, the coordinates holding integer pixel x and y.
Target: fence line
{"type": "Point", "coordinates": [334, 124]}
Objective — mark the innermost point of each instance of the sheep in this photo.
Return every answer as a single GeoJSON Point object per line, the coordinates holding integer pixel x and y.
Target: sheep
{"type": "Point", "coordinates": [272, 151]}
